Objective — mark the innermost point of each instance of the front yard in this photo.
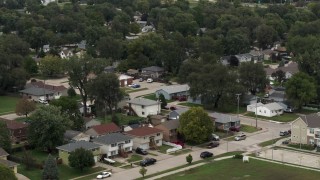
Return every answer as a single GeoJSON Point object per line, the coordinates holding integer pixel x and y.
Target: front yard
{"type": "Point", "coordinates": [135, 158]}
{"type": "Point", "coordinates": [249, 129]}
{"type": "Point", "coordinates": [286, 117]}
{"type": "Point", "coordinates": [163, 149]}
{"type": "Point", "coordinates": [236, 169]}
{"type": "Point", "coordinates": [8, 104]}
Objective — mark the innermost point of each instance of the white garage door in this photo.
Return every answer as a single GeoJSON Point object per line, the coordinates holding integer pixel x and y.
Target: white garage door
{"type": "Point", "coordinates": [144, 146]}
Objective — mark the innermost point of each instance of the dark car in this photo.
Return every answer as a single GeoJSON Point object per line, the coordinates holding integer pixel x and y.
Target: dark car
{"type": "Point", "coordinates": [288, 110]}
{"type": "Point", "coordinates": [213, 144]}
{"type": "Point", "coordinates": [141, 151]}
{"type": "Point", "coordinates": [172, 108]}
{"type": "Point", "coordinates": [148, 161]}
{"type": "Point", "coordinates": [286, 141]}
{"type": "Point", "coordinates": [234, 128]}
{"type": "Point", "coordinates": [135, 86]}
{"type": "Point", "coordinates": [284, 133]}
{"type": "Point", "coordinates": [206, 154]}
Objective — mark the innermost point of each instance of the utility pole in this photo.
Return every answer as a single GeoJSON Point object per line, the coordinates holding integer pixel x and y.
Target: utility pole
{"type": "Point", "coordinates": [238, 98]}
{"type": "Point", "coordinates": [256, 112]}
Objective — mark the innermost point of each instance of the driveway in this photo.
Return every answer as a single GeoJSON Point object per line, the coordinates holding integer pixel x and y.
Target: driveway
{"type": "Point", "coordinates": [152, 87]}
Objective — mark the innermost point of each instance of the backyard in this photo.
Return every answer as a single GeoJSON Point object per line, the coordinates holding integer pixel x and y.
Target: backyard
{"type": "Point", "coordinates": [8, 104]}
{"type": "Point", "coordinates": [236, 169]}
{"type": "Point", "coordinates": [286, 117]}
{"type": "Point", "coordinates": [123, 119]}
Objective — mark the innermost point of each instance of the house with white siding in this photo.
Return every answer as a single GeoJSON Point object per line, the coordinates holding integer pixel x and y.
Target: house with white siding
{"type": "Point", "coordinates": [146, 137]}
{"type": "Point", "coordinates": [269, 110]}
{"type": "Point", "coordinates": [143, 107]}
{"type": "Point", "coordinates": [173, 91]}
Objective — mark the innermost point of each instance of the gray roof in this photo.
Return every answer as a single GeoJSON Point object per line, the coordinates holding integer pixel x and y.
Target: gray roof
{"type": "Point", "coordinates": [69, 134]}
{"type": "Point", "coordinates": [82, 44]}
{"type": "Point", "coordinates": [224, 118]}
{"type": "Point", "coordinates": [8, 163]}
{"type": "Point", "coordinates": [273, 106]}
{"type": "Point", "coordinates": [153, 69]}
{"type": "Point", "coordinates": [174, 114]}
{"type": "Point", "coordinates": [182, 110]}
{"type": "Point", "coordinates": [247, 57]}
{"type": "Point", "coordinates": [312, 120]}
{"type": "Point", "coordinates": [175, 88]}
{"type": "Point", "coordinates": [112, 138]}
{"type": "Point", "coordinates": [143, 102]}
{"type": "Point", "coordinates": [172, 124]}
{"type": "Point", "coordinates": [36, 91]}
{"type": "Point", "coordinates": [3, 152]}
{"type": "Point", "coordinates": [79, 144]}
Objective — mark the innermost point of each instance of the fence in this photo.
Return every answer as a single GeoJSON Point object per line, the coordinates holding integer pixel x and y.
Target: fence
{"type": "Point", "coordinates": [175, 148]}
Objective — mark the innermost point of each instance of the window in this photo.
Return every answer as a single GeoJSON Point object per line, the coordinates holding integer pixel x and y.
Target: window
{"type": "Point", "coordinates": [142, 107]}
{"type": "Point", "coordinates": [113, 153]}
{"type": "Point", "coordinates": [127, 149]}
{"type": "Point", "coordinates": [157, 141]}
{"type": "Point", "coordinates": [127, 141]}
{"type": "Point", "coordinates": [264, 111]}
{"type": "Point", "coordinates": [113, 145]}
{"type": "Point", "coordinates": [142, 113]}
{"type": "Point", "coordinates": [158, 134]}
{"type": "Point", "coordinates": [311, 141]}
{"type": "Point", "coordinates": [311, 131]}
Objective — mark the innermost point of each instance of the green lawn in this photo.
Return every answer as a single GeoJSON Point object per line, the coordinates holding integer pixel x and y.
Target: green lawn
{"type": "Point", "coordinates": [249, 129]}
{"type": "Point", "coordinates": [65, 172]}
{"type": "Point", "coordinates": [40, 156]}
{"type": "Point", "coordinates": [282, 118]}
{"type": "Point", "coordinates": [190, 104]}
{"type": "Point", "coordinates": [236, 169]}
{"type": "Point", "coordinates": [163, 148]}
{"type": "Point", "coordinates": [270, 142]}
{"type": "Point", "coordinates": [229, 154]}
{"type": "Point", "coordinates": [8, 104]}
{"type": "Point", "coordinates": [123, 119]}
{"type": "Point", "coordinates": [154, 97]}
{"type": "Point", "coordinates": [135, 158]}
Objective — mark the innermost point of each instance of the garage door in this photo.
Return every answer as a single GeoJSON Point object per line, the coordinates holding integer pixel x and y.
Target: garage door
{"type": "Point", "coordinates": [144, 146]}
{"type": "Point", "coordinates": [95, 158]}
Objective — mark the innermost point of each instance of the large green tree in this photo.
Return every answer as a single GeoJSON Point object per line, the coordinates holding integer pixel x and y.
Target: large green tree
{"type": "Point", "coordinates": [47, 127]}
{"type": "Point", "coordinates": [6, 173]}
{"type": "Point", "coordinates": [25, 106]}
{"type": "Point", "coordinates": [195, 125]}
{"type": "Point", "coordinates": [301, 89]}
{"type": "Point", "coordinates": [51, 66]}
{"type": "Point", "coordinates": [5, 141]}
{"type": "Point", "coordinates": [50, 170]}
{"type": "Point", "coordinates": [81, 159]}
{"type": "Point", "coordinates": [252, 76]}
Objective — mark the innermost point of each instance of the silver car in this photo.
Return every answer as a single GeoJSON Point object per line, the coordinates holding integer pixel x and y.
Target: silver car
{"type": "Point", "coordinates": [240, 137]}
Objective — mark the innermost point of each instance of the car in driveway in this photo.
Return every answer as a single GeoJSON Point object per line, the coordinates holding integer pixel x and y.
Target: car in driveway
{"type": "Point", "coordinates": [104, 174]}
{"type": "Point", "coordinates": [284, 133]}
{"type": "Point", "coordinates": [149, 80]}
{"type": "Point", "coordinates": [148, 161]}
{"type": "Point", "coordinates": [135, 85]}
{"type": "Point", "coordinates": [213, 144]}
{"type": "Point", "coordinates": [215, 137]}
{"type": "Point", "coordinates": [240, 137]}
{"type": "Point", "coordinates": [206, 154]}
{"type": "Point", "coordinates": [141, 151]}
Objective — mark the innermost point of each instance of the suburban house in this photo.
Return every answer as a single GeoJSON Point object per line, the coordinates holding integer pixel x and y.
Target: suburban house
{"type": "Point", "coordinates": [130, 127]}
{"type": "Point", "coordinates": [306, 129]}
{"type": "Point", "coordinates": [146, 137]}
{"type": "Point", "coordinates": [289, 69]}
{"type": "Point", "coordinates": [269, 110]}
{"type": "Point", "coordinates": [103, 129]}
{"type": "Point", "coordinates": [143, 107]}
{"type": "Point", "coordinates": [65, 53]}
{"type": "Point", "coordinates": [18, 130]}
{"type": "Point", "coordinates": [174, 91]}
{"type": "Point", "coordinates": [125, 80]}
{"type": "Point", "coordinates": [225, 121]}
{"type": "Point", "coordinates": [157, 119]}
{"type": "Point", "coordinates": [35, 90]}
{"type": "Point", "coordinates": [133, 72]}
{"type": "Point", "coordinates": [114, 144]}
{"type": "Point", "coordinates": [73, 136]}
{"type": "Point", "coordinates": [236, 59]}
{"type": "Point", "coordinates": [170, 130]}
{"type": "Point", "coordinates": [46, 2]}
{"type": "Point", "coordinates": [7, 163]}
{"type": "Point", "coordinates": [91, 122]}
{"type": "Point", "coordinates": [175, 114]}
{"type": "Point", "coordinates": [65, 150]}
{"type": "Point", "coordinates": [277, 94]}
{"type": "Point", "coordinates": [252, 107]}
{"type": "Point", "coordinates": [267, 54]}
{"type": "Point", "coordinates": [257, 56]}
{"type": "Point", "coordinates": [152, 71]}
{"type": "Point", "coordinates": [46, 48]}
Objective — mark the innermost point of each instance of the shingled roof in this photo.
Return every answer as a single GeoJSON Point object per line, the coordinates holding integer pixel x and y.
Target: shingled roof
{"type": "Point", "coordinates": [106, 128]}
{"type": "Point", "coordinates": [79, 144]}
{"type": "Point", "coordinates": [312, 120]}
{"type": "Point", "coordinates": [143, 131]}
{"type": "Point", "coordinates": [12, 124]}
{"type": "Point", "coordinates": [112, 138]}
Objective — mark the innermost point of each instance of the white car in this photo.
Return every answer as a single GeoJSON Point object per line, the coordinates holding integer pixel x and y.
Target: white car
{"type": "Point", "coordinates": [149, 80]}
{"type": "Point", "coordinates": [104, 174]}
{"type": "Point", "coordinates": [215, 137]}
{"type": "Point", "coordinates": [240, 137]}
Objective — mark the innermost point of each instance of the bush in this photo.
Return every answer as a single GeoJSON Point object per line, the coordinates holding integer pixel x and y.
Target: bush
{"type": "Point", "coordinates": [238, 156]}
{"type": "Point", "coordinates": [71, 92]}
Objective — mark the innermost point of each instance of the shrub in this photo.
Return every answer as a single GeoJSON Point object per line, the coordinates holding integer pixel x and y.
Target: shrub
{"type": "Point", "coordinates": [238, 156]}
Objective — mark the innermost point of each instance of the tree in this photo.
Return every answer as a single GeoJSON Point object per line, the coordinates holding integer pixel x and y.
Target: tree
{"type": "Point", "coordinates": [25, 106]}
{"type": "Point", "coordinates": [195, 125]}
{"type": "Point", "coordinates": [163, 101]}
{"type": "Point", "coordinates": [252, 76]}
{"type": "Point", "coordinates": [50, 170]}
{"type": "Point", "coordinates": [47, 127]}
{"type": "Point", "coordinates": [300, 89]}
{"type": "Point", "coordinates": [189, 159]}
{"type": "Point", "coordinates": [78, 70]}
{"type": "Point", "coordinates": [6, 173]}
{"type": "Point", "coordinates": [266, 35]}
{"type": "Point", "coordinates": [51, 66]}
{"type": "Point", "coordinates": [5, 141]}
{"type": "Point", "coordinates": [105, 90]}
{"type": "Point", "coordinates": [81, 159]}
{"type": "Point", "coordinates": [30, 66]}
{"type": "Point", "coordinates": [71, 92]}
{"type": "Point", "coordinates": [143, 171]}
{"type": "Point", "coordinates": [279, 76]}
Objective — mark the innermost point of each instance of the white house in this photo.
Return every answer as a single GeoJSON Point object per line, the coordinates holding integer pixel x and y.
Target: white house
{"type": "Point", "coordinates": [46, 2]}
{"type": "Point", "coordinates": [143, 107]}
{"type": "Point", "coordinates": [270, 110]}
{"type": "Point", "coordinates": [170, 92]}
{"type": "Point", "coordinates": [65, 53]}
{"type": "Point", "coordinates": [252, 107]}
{"type": "Point", "coordinates": [125, 80]}
{"type": "Point", "coordinates": [114, 144]}
{"type": "Point", "coordinates": [36, 90]}
{"type": "Point", "coordinates": [46, 48]}
{"type": "Point", "coordinates": [146, 137]}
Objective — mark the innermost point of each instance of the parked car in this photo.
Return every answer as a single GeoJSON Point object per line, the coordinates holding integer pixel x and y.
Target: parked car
{"type": "Point", "coordinates": [286, 141]}
{"type": "Point", "coordinates": [288, 110]}
{"type": "Point", "coordinates": [149, 80]}
{"type": "Point", "coordinates": [148, 161]}
{"type": "Point", "coordinates": [141, 79]}
{"type": "Point", "coordinates": [179, 143]}
{"type": "Point", "coordinates": [141, 151]}
{"type": "Point", "coordinates": [234, 128]}
{"type": "Point", "coordinates": [206, 154]}
{"type": "Point", "coordinates": [104, 174]}
{"type": "Point", "coordinates": [240, 137]}
{"type": "Point", "coordinates": [135, 85]}
{"type": "Point", "coordinates": [284, 133]}
{"type": "Point", "coordinates": [213, 144]}
{"type": "Point", "coordinates": [172, 108]}
{"type": "Point", "coordinates": [215, 137]}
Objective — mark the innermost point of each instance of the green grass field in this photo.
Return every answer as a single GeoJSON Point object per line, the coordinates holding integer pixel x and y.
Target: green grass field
{"type": "Point", "coordinates": [236, 169]}
{"type": "Point", "coordinates": [135, 158]}
{"type": "Point", "coordinates": [39, 156]}
{"type": "Point", "coordinates": [8, 104]}
{"type": "Point", "coordinates": [248, 129]}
